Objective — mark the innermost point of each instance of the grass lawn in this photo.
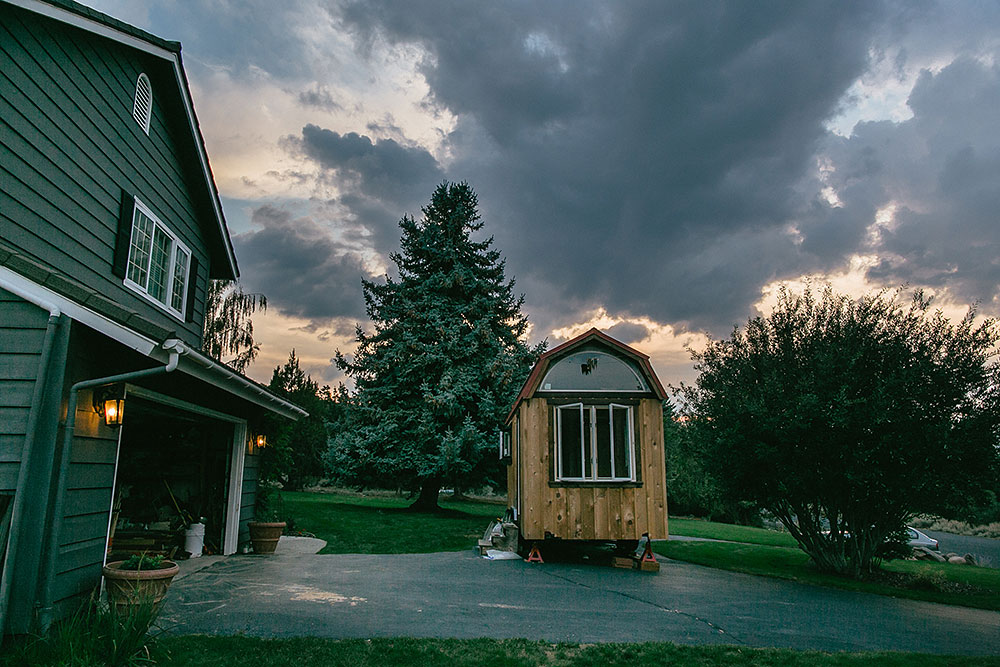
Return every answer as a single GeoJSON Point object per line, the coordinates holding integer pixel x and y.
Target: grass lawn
{"type": "Point", "coordinates": [402, 652]}
{"type": "Point", "coordinates": [382, 525]}
{"type": "Point", "coordinates": [932, 582]}
{"type": "Point", "coordinates": [727, 531]}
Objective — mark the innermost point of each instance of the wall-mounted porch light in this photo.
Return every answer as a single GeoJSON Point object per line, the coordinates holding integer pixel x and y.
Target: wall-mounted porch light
{"type": "Point", "coordinates": [109, 405]}
{"type": "Point", "coordinates": [256, 443]}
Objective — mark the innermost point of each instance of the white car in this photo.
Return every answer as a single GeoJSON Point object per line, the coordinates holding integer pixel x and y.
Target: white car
{"type": "Point", "coordinates": [915, 538]}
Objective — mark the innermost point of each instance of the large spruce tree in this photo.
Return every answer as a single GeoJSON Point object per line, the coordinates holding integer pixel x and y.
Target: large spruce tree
{"type": "Point", "coordinates": [445, 359]}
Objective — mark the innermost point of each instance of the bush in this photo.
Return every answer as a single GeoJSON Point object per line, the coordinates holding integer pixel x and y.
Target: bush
{"type": "Point", "coordinates": [97, 634]}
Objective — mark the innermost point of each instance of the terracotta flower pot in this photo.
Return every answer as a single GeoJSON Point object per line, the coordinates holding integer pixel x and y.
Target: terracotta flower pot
{"type": "Point", "coordinates": [130, 588]}
{"type": "Point", "coordinates": [265, 535]}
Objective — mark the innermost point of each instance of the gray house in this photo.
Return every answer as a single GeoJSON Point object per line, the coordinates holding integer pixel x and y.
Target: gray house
{"type": "Point", "coordinates": [110, 229]}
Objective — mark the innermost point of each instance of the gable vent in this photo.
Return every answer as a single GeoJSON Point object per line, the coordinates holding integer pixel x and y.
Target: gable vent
{"type": "Point", "coordinates": [143, 107]}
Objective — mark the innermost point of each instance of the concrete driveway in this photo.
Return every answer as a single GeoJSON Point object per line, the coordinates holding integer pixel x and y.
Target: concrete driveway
{"type": "Point", "coordinates": [461, 595]}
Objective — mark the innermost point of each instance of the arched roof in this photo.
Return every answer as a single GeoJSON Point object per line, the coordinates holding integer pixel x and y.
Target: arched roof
{"type": "Point", "coordinates": [583, 341]}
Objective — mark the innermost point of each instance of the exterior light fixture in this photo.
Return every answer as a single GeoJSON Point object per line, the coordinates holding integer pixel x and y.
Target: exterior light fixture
{"type": "Point", "coordinates": [114, 409]}
{"type": "Point", "coordinates": [109, 405]}
{"type": "Point", "coordinates": [256, 442]}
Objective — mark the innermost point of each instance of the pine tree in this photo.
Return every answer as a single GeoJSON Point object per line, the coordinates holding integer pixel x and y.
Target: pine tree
{"type": "Point", "coordinates": [445, 359]}
{"type": "Point", "coordinates": [296, 454]}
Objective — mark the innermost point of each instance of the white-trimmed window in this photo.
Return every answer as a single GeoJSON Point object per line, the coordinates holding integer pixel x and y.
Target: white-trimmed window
{"type": "Point", "coordinates": [595, 443]}
{"type": "Point", "coordinates": [142, 108]}
{"type": "Point", "coordinates": [158, 263]}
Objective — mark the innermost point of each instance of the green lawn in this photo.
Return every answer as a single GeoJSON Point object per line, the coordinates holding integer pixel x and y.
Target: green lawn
{"type": "Point", "coordinates": [932, 582]}
{"type": "Point", "coordinates": [382, 525]}
{"type": "Point", "coordinates": [727, 531]}
{"type": "Point", "coordinates": [403, 652]}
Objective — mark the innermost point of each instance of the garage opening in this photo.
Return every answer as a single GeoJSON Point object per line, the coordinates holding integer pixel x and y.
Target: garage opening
{"type": "Point", "coordinates": [173, 471]}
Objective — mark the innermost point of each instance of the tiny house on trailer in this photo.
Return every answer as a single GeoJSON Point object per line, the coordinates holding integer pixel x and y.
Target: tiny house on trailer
{"type": "Point", "coordinates": [583, 444]}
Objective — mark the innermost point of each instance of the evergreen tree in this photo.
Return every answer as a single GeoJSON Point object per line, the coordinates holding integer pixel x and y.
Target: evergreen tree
{"type": "Point", "coordinates": [296, 454]}
{"type": "Point", "coordinates": [445, 359]}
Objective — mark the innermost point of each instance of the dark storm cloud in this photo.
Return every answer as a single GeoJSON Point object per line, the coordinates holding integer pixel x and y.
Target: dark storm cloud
{"type": "Point", "coordinates": [302, 270]}
{"type": "Point", "coordinates": [628, 333]}
{"type": "Point", "coordinates": [319, 97]}
{"type": "Point", "coordinates": [944, 166]}
{"type": "Point", "coordinates": [641, 156]}
{"type": "Point", "coordinates": [385, 168]}
{"type": "Point", "coordinates": [380, 179]}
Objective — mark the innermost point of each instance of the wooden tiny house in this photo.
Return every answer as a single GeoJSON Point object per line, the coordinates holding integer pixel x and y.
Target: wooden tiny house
{"type": "Point", "coordinates": [584, 445]}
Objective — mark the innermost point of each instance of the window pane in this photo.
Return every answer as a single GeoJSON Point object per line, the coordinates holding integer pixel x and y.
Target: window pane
{"type": "Point", "coordinates": [622, 439]}
{"type": "Point", "coordinates": [570, 442]}
{"type": "Point", "coordinates": [138, 255]}
{"type": "Point", "coordinates": [180, 280]}
{"type": "Point", "coordinates": [592, 370]}
{"type": "Point", "coordinates": [588, 455]}
{"type": "Point", "coordinates": [159, 265]}
{"type": "Point", "coordinates": [603, 442]}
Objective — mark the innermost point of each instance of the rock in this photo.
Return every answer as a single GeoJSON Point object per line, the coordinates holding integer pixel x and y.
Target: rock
{"type": "Point", "coordinates": [970, 559]}
{"type": "Point", "coordinates": [923, 553]}
{"type": "Point", "coordinates": [957, 560]}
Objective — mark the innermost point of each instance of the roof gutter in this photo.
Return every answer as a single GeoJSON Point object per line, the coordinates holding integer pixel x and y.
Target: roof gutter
{"type": "Point", "coordinates": [175, 349]}
{"type": "Point", "coordinates": [213, 366]}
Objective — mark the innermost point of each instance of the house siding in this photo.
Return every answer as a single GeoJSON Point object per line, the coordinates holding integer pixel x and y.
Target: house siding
{"type": "Point", "coordinates": [251, 471]}
{"type": "Point", "coordinates": [69, 146]}
{"type": "Point", "coordinates": [83, 526]}
{"type": "Point", "coordinates": [22, 330]}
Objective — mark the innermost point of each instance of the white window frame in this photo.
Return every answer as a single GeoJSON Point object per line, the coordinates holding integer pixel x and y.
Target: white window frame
{"type": "Point", "coordinates": [175, 244]}
{"type": "Point", "coordinates": [591, 456]}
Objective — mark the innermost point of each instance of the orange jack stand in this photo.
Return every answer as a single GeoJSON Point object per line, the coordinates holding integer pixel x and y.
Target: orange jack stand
{"type": "Point", "coordinates": [534, 556]}
{"type": "Point", "coordinates": [648, 562]}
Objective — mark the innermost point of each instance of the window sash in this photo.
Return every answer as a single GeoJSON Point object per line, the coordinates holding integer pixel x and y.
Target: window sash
{"type": "Point", "coordinates": [158, 263]}
{"type": "Point", "coordinates": [595, 443]}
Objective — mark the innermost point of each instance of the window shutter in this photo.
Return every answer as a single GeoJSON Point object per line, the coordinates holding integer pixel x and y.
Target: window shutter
{"type": "Point", "coordinates": [191, 287]}
{"type": "Point", "coordinates": [119, 265]}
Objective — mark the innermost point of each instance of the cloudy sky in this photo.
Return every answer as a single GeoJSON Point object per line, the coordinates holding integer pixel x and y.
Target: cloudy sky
{"type": "Point", "coordinates": [655, 169]}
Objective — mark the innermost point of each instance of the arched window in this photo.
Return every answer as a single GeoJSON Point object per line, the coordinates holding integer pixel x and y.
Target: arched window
{"type": "Point", "coordinates": [593, 370]}
{"type": "Point", "coordinates": [142, 110]}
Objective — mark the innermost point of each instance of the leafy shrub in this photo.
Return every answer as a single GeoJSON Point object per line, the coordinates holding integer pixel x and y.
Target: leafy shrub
{"type": "Point", "coordinates": [144, 562]}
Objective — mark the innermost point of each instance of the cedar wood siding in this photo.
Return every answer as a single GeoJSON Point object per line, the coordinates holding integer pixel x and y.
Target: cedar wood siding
{"type": "Point", "coordinates": [69, 145]}
{"type": "Point", "coordinates": [587, 511]}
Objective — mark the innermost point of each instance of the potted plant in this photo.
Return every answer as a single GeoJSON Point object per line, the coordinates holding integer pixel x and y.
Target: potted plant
{"type": "Point", "coordinates": [266, 528]}
{"type": "Point", "coordinates": [264, 535]}
{"type": "Point", "coordinates": [140, 580]}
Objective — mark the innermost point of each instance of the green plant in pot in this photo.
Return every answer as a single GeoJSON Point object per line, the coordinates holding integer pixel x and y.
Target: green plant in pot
{"type": "Point", "coordinates": [266, 529]}
{"type": "Point", "coordinates": [140, 580]}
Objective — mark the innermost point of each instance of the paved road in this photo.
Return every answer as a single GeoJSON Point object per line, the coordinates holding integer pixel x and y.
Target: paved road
{"type": "Point", "coordinates": [986, 551]}
{"type": "Point", "coordinates": [461, 595]}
